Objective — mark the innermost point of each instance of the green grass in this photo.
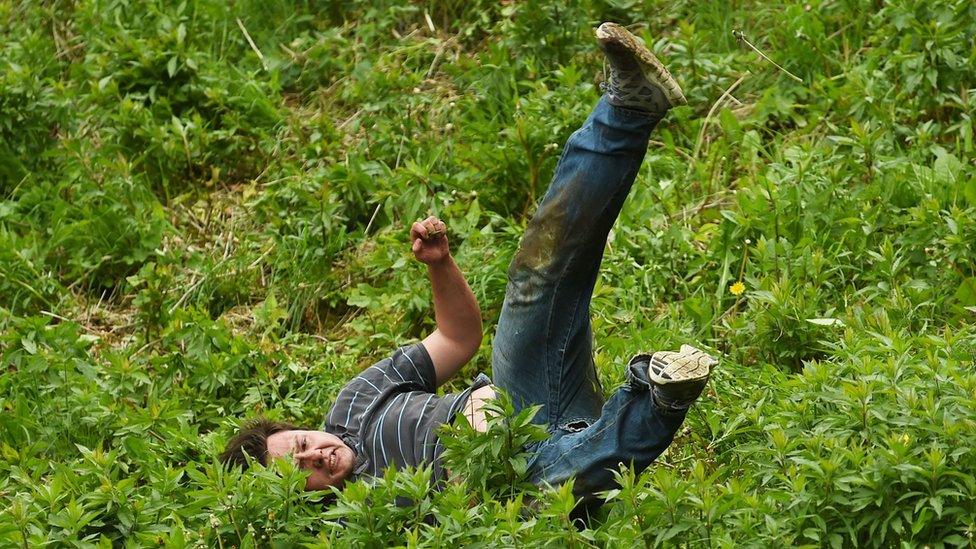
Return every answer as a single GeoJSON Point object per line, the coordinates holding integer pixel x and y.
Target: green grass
{"type": "Point", "coordinates": [191, 235]}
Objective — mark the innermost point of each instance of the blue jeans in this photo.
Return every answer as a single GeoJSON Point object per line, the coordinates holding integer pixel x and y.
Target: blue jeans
{"type": "Point", "coordinates": [543, 349]}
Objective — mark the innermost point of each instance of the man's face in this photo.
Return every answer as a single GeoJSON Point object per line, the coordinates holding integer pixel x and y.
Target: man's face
{"type": "Point", "coordinates": [326, 456]}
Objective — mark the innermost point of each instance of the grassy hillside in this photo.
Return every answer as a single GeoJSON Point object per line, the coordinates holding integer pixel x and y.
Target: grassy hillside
{"type": "Point", "coordinates": [203, 216]}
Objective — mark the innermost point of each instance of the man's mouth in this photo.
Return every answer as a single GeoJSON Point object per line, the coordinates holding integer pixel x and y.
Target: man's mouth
{"type": "Point", "coordinates": [332, 460]}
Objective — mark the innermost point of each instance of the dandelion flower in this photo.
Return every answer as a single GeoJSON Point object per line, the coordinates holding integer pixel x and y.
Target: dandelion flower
{"type": "Point", "coordinates": [737, 288]}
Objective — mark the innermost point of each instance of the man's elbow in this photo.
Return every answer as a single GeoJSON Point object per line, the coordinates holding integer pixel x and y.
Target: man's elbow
{"type": "Point", "coordinates": [471, 343]}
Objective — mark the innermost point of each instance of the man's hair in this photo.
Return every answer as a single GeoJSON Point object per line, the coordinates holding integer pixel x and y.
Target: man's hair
{"type": "Point", "coordinates": [252, 440]}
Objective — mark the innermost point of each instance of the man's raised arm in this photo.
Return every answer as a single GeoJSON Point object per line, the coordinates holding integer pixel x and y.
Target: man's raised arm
{"type": "Point", "coordinates": [456, 310]}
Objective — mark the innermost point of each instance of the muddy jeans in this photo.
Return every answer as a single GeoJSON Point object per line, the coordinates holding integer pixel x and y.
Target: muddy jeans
{"type": "Point", "coordinates": [543, 349]}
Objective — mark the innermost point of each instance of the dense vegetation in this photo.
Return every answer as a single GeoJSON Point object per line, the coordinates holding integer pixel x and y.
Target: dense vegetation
{"type": "Point", "coordinates": [203, 210]}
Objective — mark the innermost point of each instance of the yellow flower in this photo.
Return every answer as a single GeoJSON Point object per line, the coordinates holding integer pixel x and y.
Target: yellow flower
{"type": "Point", "coordinates": [737, 288]}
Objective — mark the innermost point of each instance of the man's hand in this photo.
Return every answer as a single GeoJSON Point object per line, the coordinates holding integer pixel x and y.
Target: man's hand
{"type": "Point", "coordinates": [429, 238]}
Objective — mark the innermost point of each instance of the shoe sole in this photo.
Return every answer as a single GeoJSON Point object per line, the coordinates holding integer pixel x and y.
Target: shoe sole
{"type": "Point", "coordinates": [690, 368]}
{"type": "Point", "coordinates": [653, 69]}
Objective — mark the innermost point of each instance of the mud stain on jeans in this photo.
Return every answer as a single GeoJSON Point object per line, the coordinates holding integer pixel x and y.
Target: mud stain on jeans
{"type": "Point", "coordinates": [546, 232]}
{"type": "Point", "coordinates": [535, 266]}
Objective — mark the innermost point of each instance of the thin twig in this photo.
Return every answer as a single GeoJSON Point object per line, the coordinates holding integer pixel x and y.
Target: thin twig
{"type": "Point", "coordinates": [64, 319]}
{"type": "Point", "coordinates": [403, 137]}
{"type": "Point", "coordinates": [350, 119]}
{"type": "Point", "coordinates": [251, 42]}
{"type": "Point", "coordinates": [194, 284]}
{"type": "Point", "coordinates": [695, 210]}
{"type": "Point", "coordinates": [228, 243]}
{"type": "Point", "coordinates": [711, 111]}
{"type": "Point", "coordinates": [142, 349]}
{"type": "Point", "coordinates": [742, 37]}
{"type": "Point", "coordinates": [839, 31]}
{"type": "Point", "coordinates": [69, 50]}
{"type": "Point", "coordinates": [674, 148]}
{"type": "Point", "coordinates": [372, 218]}
{"type": "Point", "coordinates": [294, 55]}
{"type": "Point", "coordinates": [260, 258]}
{"type": "Point", "coordinates": [730, 309]}
{"type": "Point", "coordinates": [437, 56]}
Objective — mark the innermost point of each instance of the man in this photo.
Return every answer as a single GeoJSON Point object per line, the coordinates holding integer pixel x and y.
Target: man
{"type": "Point", "coordinates": [542, 355]}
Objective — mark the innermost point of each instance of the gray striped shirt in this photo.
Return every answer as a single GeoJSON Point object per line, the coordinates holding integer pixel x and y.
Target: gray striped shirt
{"type": "Point", "coordinates": [389, 413]}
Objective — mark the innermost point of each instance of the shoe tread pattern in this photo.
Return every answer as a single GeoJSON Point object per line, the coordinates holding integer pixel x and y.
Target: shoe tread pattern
{"type": "Point", "coordinates": [677, 366]}
{"type": "Point", "coordinates": [654, 70]}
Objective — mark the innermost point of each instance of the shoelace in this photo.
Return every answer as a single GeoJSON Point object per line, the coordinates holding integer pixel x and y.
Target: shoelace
{"type": "Point", "coordinates": [630, 86]}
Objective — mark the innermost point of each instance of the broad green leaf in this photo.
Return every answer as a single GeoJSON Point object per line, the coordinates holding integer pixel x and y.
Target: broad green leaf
{"type": "Point", "coordinates": [966, 293]}
{"type": "Point", "coordinates": [826, 321]}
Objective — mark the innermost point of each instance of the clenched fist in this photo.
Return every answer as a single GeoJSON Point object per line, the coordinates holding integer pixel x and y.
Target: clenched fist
{"type": "Point", "coordinates": [429, 238]}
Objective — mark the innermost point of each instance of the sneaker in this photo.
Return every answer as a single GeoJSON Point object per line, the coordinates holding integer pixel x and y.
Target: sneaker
{"type": "Point", "coordinates": [637, 79]}
{"type": "Point", "coordinates": [679, 377]}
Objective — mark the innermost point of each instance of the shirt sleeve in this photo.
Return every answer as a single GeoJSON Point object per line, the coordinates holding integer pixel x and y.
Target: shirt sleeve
{"type": "Point", "coordinates": [412, 365]}
{"type": "Point", "coordinates": [407, 369]}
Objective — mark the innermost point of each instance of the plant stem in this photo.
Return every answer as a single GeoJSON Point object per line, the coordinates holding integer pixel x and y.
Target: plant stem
{"type": "Point", "coordinates": [742, 38]}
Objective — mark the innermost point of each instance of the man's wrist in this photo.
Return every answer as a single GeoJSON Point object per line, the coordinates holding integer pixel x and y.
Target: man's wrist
{"type": "Point", "coordinates": [442, 262]}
